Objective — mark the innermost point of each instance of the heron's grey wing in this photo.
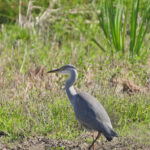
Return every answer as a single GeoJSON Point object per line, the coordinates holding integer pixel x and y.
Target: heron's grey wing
{"type": "Point", "coordinates": [92, 114]}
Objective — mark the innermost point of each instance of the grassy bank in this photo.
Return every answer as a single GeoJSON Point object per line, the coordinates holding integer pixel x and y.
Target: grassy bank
{"type": "Point", "coordinates": [33, 103]}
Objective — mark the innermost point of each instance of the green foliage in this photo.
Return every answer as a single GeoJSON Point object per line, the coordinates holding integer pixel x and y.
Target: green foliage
{"type": "Point", "coordinates": [115, 27]}
{"type": "Point", "coordinates": [111, 23]}
{"type": "Point", "coordinates": [8, 11]}
{"type": "Point", "coordinates": [138, 32]}
{"type": "Point", "coordinates": [36, 117]}
{"type": "Point", "coordinates": [55, 117]}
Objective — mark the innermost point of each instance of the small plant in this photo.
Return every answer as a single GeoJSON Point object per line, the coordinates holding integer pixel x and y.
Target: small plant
{"type": "Point", "coordinates": [138, 31]}
{"type": "Point", "coordinates": [110, 20]}
{"type": "Point", "coordinates": [113, 22]}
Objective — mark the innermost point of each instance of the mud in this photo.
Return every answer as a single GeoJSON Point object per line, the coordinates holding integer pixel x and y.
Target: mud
{"type": "Point", "coordinates": [38, 143]}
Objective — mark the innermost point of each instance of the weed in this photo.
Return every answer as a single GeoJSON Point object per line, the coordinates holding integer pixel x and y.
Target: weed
{"type": "Point", "coordinates": [114, 27]}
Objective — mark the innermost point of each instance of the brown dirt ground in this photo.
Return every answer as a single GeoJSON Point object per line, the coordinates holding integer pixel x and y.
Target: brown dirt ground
{"type": "Point", "coordinates": [38, 143]}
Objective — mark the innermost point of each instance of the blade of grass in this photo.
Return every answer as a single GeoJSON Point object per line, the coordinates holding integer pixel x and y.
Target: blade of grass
{"type": "Point", "coordinates": [99, 45]}
{"type": "Point", "coordinates": [117, 25]}
{"type": "Point", "coordinates": [103, 24]}
{"type": "Point", "coordinates": [124, 30]}
{"type": "Point", "coordinates": [142, 31]}
{"type": "Point", "coordinates": [134, 15]}
{"type": "Point", "coordinates": [140, 40]}
{"type": "Point", "coordinates": [104, 21]}
{"type": "Point", "coordinates": [112, 23]}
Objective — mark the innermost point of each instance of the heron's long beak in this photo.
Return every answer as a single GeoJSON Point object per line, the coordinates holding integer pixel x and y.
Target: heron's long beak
{"type": "Point", "coordinates": [54, 71]}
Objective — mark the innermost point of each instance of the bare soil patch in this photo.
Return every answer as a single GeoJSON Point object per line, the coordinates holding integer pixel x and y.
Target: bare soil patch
{"type": "Point", "coordinates": [38, 143]}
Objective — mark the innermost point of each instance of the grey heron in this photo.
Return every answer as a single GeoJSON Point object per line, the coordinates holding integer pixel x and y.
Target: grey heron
{"type": "Point", "coordinates": [88, 110]}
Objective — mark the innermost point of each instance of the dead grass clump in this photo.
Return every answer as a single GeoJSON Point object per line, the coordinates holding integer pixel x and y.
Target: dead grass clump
{"type": "Point", "coordinates": [38, 77]}
{"type": "Point", "coordinates": [126, 85]}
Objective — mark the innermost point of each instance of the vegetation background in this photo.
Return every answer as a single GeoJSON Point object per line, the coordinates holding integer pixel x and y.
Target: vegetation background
{"type": "Point", "coordinates": [36, 36]}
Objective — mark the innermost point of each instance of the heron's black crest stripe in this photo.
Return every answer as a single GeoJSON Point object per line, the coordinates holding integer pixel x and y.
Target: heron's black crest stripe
{"type": "Point", "coordinates": [68, 66]}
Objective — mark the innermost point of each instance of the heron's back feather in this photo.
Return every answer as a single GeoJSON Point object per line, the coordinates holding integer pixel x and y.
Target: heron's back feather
{"type": "Point", "coordinates": [92, 114]}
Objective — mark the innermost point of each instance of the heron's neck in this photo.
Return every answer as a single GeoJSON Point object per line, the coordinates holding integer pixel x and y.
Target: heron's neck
{"type": "Point", "coordinates": [69, 85]}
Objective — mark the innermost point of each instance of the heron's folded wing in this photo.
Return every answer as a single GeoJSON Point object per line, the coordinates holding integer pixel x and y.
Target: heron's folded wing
{"type": "Point", "coordinates": [90, 112]}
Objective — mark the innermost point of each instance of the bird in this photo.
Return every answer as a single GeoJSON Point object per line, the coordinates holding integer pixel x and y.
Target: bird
{"type": "Point", "coordinates": [88, 110]}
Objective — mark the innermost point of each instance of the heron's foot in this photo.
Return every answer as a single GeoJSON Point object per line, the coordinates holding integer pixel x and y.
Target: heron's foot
{"type": "Point", "coordinates": [90, 147]}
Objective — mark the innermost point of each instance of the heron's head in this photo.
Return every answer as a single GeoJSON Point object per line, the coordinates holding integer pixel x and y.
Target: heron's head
{"type": "Point", "coordinates": [67, 69]}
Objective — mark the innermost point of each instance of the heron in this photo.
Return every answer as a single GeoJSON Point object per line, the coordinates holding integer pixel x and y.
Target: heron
{"type": "Point", "coordinates": [88, 110]}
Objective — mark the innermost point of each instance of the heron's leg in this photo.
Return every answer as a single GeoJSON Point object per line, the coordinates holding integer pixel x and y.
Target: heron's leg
{"type": "Point", "coordinates": [93, 140]}
{"type": "Point", "coordinates": [99, 134]}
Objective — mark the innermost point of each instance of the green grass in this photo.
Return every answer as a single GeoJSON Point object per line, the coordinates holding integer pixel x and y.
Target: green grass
{"type": "Point", "coordinates": [53, 115]}
{"type": "Point", "coordinates": [111, 23]}
{"type": "Point", "coordinates": [137, 35]}
{"type": "Point", "coordinates": [34, 103]}
{"type": "Point", "coordinates": [114, 19]}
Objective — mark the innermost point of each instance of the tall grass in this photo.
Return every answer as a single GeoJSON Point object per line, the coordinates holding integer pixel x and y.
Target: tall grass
{"type": "Point", "coordinates": [114, 24]}
{"type": "Point", "coordinates": [110, 20]}
{"type": "Point", "coordinates": [138, 31]}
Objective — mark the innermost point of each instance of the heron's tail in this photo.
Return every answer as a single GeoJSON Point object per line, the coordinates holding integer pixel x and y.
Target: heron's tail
{"type": "Point", "coordinates": [113, 134]}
